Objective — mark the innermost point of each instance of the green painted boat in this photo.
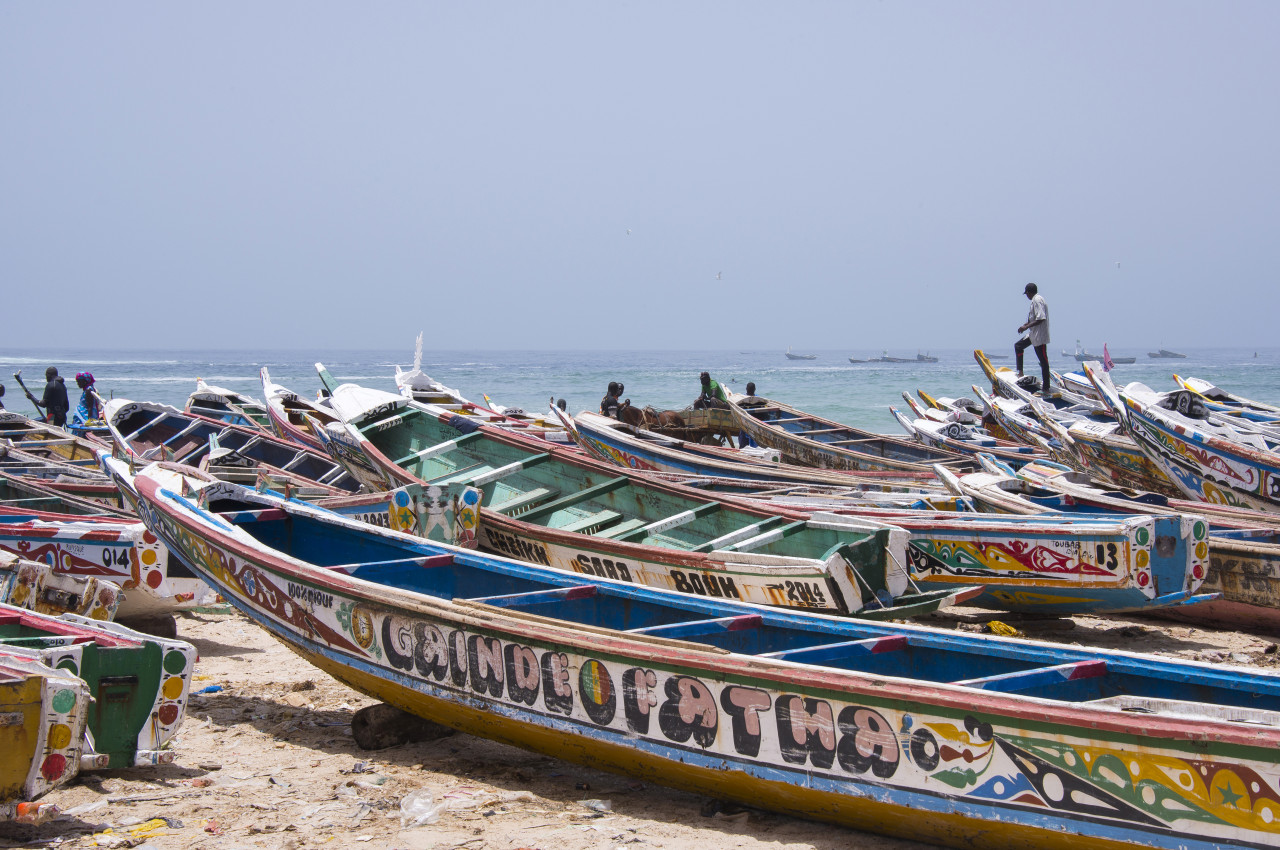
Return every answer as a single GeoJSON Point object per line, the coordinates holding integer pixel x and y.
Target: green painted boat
{"type": "Point", "coordinates": [554, 506]}
{"type": "Point", "coordinates": [139, 682]}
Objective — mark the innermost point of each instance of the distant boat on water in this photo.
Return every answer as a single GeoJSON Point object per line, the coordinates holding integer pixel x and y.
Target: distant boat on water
{"type": "Point", "coordinates": [791, 356]}
{"type": "Point", "coordinates": [1166, 354]}
{"type": "Point", "coordinates": [885, 358]}
{"type": "Point", "coordinates": [1081, 355]}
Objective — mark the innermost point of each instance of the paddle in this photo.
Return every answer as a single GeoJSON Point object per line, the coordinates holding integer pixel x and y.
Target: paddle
{"type": "Point", "coordinates": [17, 376]}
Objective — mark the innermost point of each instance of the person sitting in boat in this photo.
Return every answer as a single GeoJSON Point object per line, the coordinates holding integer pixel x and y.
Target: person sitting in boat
{"type": "Point", "coordinates": [1, 396]}
{"type": "Point", "coordinates": [712, 395]}
{"type": "Point", "coordinates": [54, 403]}
{"type": "Point", "coordinates": [609, 404]}
{"type": "Point", "coordinates": [89, 410]}
{"type": "Point", "coordinates": [1036, 328]}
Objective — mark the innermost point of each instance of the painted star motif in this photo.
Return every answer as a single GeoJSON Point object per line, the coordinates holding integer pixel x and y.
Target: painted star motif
{"type": "Point", "coordinates": [1229, 796]}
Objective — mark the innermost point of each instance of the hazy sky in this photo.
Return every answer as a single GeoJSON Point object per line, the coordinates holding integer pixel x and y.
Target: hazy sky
{"type": "Point", "coordinates": [576, 175]}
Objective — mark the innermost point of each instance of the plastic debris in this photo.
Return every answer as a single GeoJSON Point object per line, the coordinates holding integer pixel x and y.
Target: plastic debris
{"type": "Point", "coordinates": [996, 627]}
{"type": "Point", "coordinates": [597, 805]}
{"type": "Point", "coordinates": [211, 689]}
{"type": "Point", "coordinates": [420, 808]}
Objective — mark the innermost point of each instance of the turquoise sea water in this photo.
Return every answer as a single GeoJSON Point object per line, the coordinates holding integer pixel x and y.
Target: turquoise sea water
{"type": "Point", "coordinates": [855, 394]}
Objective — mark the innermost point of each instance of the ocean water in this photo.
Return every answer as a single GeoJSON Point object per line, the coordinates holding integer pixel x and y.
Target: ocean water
{"type": "Point", "coordinates": [854, 394]}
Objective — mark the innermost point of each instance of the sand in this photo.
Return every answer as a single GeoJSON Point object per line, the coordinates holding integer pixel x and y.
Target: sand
{"type": "Point", "coordinates": [269, 761]}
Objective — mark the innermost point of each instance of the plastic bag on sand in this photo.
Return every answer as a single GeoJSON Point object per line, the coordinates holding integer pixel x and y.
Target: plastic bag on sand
{"type": "Point", "coordinates": [420, 808]}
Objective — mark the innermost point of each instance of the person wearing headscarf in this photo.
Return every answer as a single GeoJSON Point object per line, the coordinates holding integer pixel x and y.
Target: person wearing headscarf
{"type": "Point", "coordinates": [90, 407]}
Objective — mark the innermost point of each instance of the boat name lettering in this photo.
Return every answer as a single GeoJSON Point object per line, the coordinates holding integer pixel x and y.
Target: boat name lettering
{"type": "Point", "coordinates": [509, 544]}
{"type": "Point", "coordinates": [310, 596]}
{"type": "Point", "coordinates": [378, 518]}
{"type": "Point", "coordinates": [603, 567]}
{"type": "Point", "coordinates": [808, 730]}
{"type": "Point", "coordinates": [115, 557]}
{"type": "Point", "coordinates": [705, 584]}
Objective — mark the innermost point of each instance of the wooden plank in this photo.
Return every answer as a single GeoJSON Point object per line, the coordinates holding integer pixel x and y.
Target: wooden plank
{"type": "Point", "coordinates": [695, 628]}
{"type": "Point", "coordinates": [1038, 677]}
{"type": "Point", "coordinates": [540, 597]}
{"type": "Point", "coordinates": [573, 498]}
{"type": "Point", "coordinates": [844, 649]}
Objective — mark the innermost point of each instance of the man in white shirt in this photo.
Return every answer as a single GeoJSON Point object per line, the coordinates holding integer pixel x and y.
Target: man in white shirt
{"type": "Point", "coordinates": [1036, 328]}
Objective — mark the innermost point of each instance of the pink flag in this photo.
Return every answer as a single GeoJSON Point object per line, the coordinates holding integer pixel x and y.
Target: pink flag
{"type": "Point", "coordinates": [1107, 363]}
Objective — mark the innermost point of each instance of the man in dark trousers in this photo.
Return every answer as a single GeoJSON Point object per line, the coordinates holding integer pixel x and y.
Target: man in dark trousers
{"type": "Point", "coordinates": [55, 402]}
{"type": "Point", "coordinates": [1036, 328]}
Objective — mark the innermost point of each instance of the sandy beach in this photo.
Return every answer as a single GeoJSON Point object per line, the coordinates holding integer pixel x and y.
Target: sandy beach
{"type": "Point", "coordinates": [268, 761]}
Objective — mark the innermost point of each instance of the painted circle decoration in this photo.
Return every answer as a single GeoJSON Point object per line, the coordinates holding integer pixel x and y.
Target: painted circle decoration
{"type": "Point", "coordinates": [69, 664]}
{"type": "Point", "coordinates": [169, 713]}
{"type": "Point", "coordinates": [1198, 530]}
{"type": "Point", "coordinates": [59, 735]}
{"type": "Point", "coordinates": [1143, 579]}
{"type": "Point", "coordinates": [172, 688]}
{"type": "Point", "coordinates": [1143, 536]}
{"type": "Point", "coordinates": [148, 537]}
{"type": "Point", "coordinates": [362, 627]}
{"type": "Point", "coordinates": [599, 697]}
{"type": "Point", "coordinates": [402, 499]}
{"type": "Point", "coordinates": [63, 701]}
{"type": "Point", "coordinates": [149, 557]}
{"type": "Point", "coordinates": [1142, 559]}
{"type": "Point", "coordinates": [1202, 550]}
{"type": "Point", "coordinates": [154, 578]}
{"type": "Point", "coordinates": [55, 764]}
{"type": "Point", "coordinates": [174, 662]}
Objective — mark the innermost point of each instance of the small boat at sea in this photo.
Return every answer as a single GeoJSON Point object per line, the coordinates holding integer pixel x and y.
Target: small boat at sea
{"type": "Point", "coordinates": [139, 681]}
{"type": "Point", "coordinates": [791, 356]}
{"type": "Point", "coordinates": [1082, 355]}
{"type": "Point", "coordinates": [931, 735]}
{"type": "Point", "coordinates": [42, 737]}
{"type": "Point", "coordinates": [228, 406]}
{"type": "Point", "coordinates": [1166, 354]}
{"type": "Point", "coordinates": [811, 440]}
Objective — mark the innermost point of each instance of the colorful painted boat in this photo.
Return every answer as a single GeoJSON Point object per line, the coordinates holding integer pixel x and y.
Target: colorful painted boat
{"type": "Point", "coordinates": [23, 494]}
{"type": "Point", "coordinates": [953, 738]}
{"type": "Point", "coordinates": [38, 587]}
{"type": "Point", "coordinates": [43, 712]}
{"type": "Point", "coordinates": [964, 439]}
{"type": "Point", "coordinates": [75, 480]}
{"type": "Point", "coordinates": [35, 436]}
{"type": "Point", "coordinates": [229, 406]}
{"type": "Point", "coordinates": [813, 441]}
{"type": "Point", "coordinates": [139, 682]}
{"type": "Point", "coordinates": [122, 552]}
{"type": "Point", "coordinates": [1215, 394]}
{"type": "Point", "coordinates": [1210, 463]}
{"type": "Point", "coordinates": [1244, 546]}
{"type": "Point", "coordinates": [552, 505]}
{"type": "Point", "coordinates": [148, 431]}
{"type": "Point", "coordinates": [649, 452]}
{"type": "Point", "coordinates": [292, 416]}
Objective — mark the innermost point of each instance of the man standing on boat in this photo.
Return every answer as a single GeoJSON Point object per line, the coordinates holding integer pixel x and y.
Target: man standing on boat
{"type": "Point", "coordinates": [1036, 328]}
{"type": "Point", "coordinates": [55, 402]}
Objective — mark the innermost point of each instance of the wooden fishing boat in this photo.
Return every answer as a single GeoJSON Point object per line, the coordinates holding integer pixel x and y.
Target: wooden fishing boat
{"type": "Point", "coordinates": [946, 737]}
{"type": "Point", "coordinates": [541, 502]}
{"type": "Point", "coordinates": [229, 406]}
{"type": "Point", "coordinates": [42, 719]}
{"type": "Point", "coordinates": [1208, 462]}
{"type": "Point", "coordinates": [37, 586]}
{"type": "Point", "coordinates": [646, 451]}
{"type": "Point", "coordinates": [293, 417]}
{"type": "Point", "coordinates": [149, 431]}
{"type": "Point", "coordinates": [120, 551]}
{"type": "Point", "coordinates": [1083, 355]}
{"type": "Point", "coordinates": [1212, 393]}
{"type": "Point", "coordinates": [76, 481]}
{"type": "Point", "coordinates": [139, 682]}
{"type": "Point", "coordinates": [791, 356]}
{"type": "Point", "coordinates": [813, 441]}
{"type": "Point", "coordinates": [43, 439]}
{"type": "Point", "coordinates": [22, 493]}
{"type": "Point", "coordinates": [1244, 546]}
{"type": "Point", "coordinates": [964, 439]}
{"type": "Point", "coordinates": [1166, 354]}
